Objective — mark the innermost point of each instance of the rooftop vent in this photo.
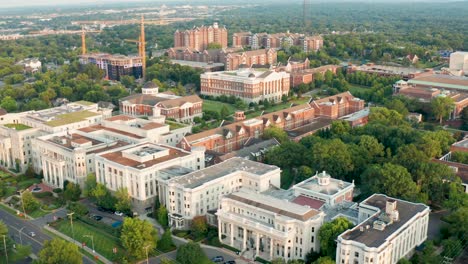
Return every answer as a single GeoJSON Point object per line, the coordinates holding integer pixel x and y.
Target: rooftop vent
{"type": "Point", "coordinates": [379, 225]}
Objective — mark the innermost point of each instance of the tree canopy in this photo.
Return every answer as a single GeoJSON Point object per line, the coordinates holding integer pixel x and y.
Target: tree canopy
{"type": "Point", "coordinates": [137, 234]}
{"type": "Point", "coordinates": [58, 251]}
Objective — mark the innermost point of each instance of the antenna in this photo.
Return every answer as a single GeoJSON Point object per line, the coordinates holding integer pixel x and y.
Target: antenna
{"type": "Point", "coordinates": [143, 45]}
{"type": "Point", "coordinates": [83, 41]}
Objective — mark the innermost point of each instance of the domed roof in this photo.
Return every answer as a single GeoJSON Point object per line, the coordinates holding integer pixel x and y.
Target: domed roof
{"type": "Point", "coordinates": [150, 85]}
{"type": "Point", "coordinates": [251, 75]}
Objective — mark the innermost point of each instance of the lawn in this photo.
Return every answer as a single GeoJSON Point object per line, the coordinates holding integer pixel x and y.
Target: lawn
{"type": "Point", "coordinates": [69, 118]}
{"type": "Point", "coordinates": [37, 213]}
{"type": "Point", "coordinates": [27, 183]}
{"type": "Point", "coordinates": [18, 127]}
{"type": "Point", "coordinates": [174, 125]}
{"type": "Point", "coordinates": [103, 242]}
{"type": "Point", "coordinates": [358, 88]}
{"type": "Point", "coordinates": [209, 105]}
{"type": "Point", "coordinates": [279, 107]}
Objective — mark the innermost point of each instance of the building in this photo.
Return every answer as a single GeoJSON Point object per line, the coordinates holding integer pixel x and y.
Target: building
{"type": "Point", "coordinates": [197, 193]}
{"type": "Point", "coordinates": [205, 66]}
{"type": "Point", "coordinates": [324, 190]}
{"type": "Point", "coordinates": [30, 65]}
{"type": "Point", "coordinates": [231, 58]}
{"type": "Point", "coordinates": [306, 75]}
{"type": "Point", "coordinates": [358, 118]}
{"type": "Point", "coordinates": [389, 230]}
{"type": "Point", "coordinates": [384, 70]}
{"type": "Point", "coordinates": [277, 41]}
{"type": "Point", "coordinates": [297, 121]}
{"type": "Point", "coordinates": [426, 88]}
{"type": "Point", "coordinates": [200, 37]}
{"type": "Point", "coordinates": [267, 227]}
{"type": "Point", "coordinates": [138, 168]}
{"type": "Point", "coordinates": [17, 130]}
{"type": "Point", "coordinates": [458, 63]}
{"type": "Point", "coordinates": [152, 103]}
{"type": "Point", "coordinates": [460, 169]}
{"type": "Point", "coordinates": [248, 85]}
{"type": "Point", "coordinates": [115, 66]}
{"type": "Point", "coordinates": [241, 39]}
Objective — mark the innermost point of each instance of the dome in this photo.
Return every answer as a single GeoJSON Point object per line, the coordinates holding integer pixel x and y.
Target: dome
{"type": "Point", "coordinates": [150, 85]}
{"type": "Point", "coordinates": [251, 75]}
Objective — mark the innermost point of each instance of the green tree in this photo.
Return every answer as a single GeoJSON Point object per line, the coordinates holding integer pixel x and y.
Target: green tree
{"type": "Point", "coordinates": [72, 192]}
{"type": "Point", "coordinates": [457, 198]}
{"type": "Point", "coordinates": [165, 243]}
{"type": "Point", "coordinates": [162, 216]}
{"type": "Point", "coordinates": [190, 253]}
{"type": "Point", "coordinates": [124, 203]}
{"type": "Point", "coordinates": [78, 208]}
{"type": "Point", "coordinates": [29, 202]}
{"type": "Point", "coordinates": [324, 260]}
{"type": "Point", "coordinates": [137, 234]}
{"type": "Point", "coordinates": [58, 251]}
{"type": "Point", "coordinates": [385, 116]}
{"type": "Point", "coordinates": [329, 232]}
{"type": "Point", "coordinates": [332, 156]}
{"type": "Point", "coordinates": [214, 45]}
{"type": "Point", "coordinates": [397, 105]}
{"type": "Point", "coordinates": [340, 127]}
{"type": "Point", "coordinates": [89, 185]}
{"type": "Point", "coordinates": [199, 226]}
{"type": "Point", "coordinates": [452, 247]}
{"type": "Point", "coordinates": [278, 261]}
{"type": "Point", "coordinates": [428, 255]}
{"type": "Point", "coordinates": [9, 104]}
{"type": "Point", "coordinates": [224, 112]}
{"type": "Point", "coordinates": [441, 107]}
{"type": "Point", "coordinates": [277, 133]}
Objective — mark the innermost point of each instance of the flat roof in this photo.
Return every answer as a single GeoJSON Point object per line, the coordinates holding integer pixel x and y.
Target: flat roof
{"type": "Point", "coordinates": [442, 81]}
{"type": "Point", "coordinates": [198, 178]}
{"type": "Point", "coordinates": [375, 238]}
{"type": "Point", "coordinates": [308, 201]}
{"type": "Point", "coordinates": [316, 124]}
{"type": "Point", "coordinates": [95, 128]}
{"type": "Point", "coordinates": [356, 115]}
{"type": "Point", "coordinates": [62, 115]}
{"type": "Point", "coordinates": [461, 144]}
{"type": "Point", "coordinates": [389, 69]}
{"type": "Point", "coordinates": [312, 184]}
{"type": "Point", "coordinates": [272, 204]}
{"type": "Point", "coordinates": [197, 64]}
{"type": "Point", "coordinates": [69, 118]}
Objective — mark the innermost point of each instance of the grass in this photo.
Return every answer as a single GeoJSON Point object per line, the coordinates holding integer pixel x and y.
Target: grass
{"type": "Point", "coordinates": [26, 183]}
{"type": "Point", "coordinates": [279, 107]}
{"type": "Point", "coordinates": [103, 242]}
{"type": "Point", "coordinates": [70, 118]}
{"type": "Point", "coordinates": [233, 249]}
{"type": "Point", "coordinates": [37, 213]}
{"type": "Point", "coordinates": [209, 105]}
{"type": "Point", "coordinates": [8, 209]}
{"type": "Point", "coordinates": [85, 103]}
{"type": "Point", "coordinates": [358, 88]}
{"type": "Point", "coordinates": [174, 125]}
{"type": "Point", "coordinates": [18, 127]}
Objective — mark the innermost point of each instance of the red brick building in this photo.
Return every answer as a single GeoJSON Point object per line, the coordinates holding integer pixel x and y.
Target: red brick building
{"type": "Point", "coordinates": [307, 75]}
{"type": "Point", "coordinates": [337, 106]}
{"type": "Point", "coordinates": [199, 37]}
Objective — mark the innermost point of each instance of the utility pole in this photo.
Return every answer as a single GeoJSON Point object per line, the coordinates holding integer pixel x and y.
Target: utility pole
{"type": "Point", "coordinates": [146, 248]}
{"type": "Point", "coordinates": [6, 254]}
{"type": "Point", "coordinates": [92, 240]}
{"type": "Point", "coordinates": [71, 223]}
{"type": "Point", "coordinates": [21, 240]}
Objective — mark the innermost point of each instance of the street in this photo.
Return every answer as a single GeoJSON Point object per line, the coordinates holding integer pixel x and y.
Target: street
{"type": "Point", "coordinates": [16, 224]}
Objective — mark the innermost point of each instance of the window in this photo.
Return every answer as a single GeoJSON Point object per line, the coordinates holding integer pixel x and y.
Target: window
{"type": "Point", "coordinates": [356, 254]}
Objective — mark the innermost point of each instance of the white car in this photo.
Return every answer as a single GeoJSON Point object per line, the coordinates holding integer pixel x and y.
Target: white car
{"type": "Point", "coordinates": [32, 234]}
{"type": "Point", "coordinates": [118, 213]}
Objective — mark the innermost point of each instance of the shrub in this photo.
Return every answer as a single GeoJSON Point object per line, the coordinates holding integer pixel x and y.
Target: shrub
{"type": "Point", "coordinates": [42, 194]}
{"type": "Point", "coordinates": [57, 190]}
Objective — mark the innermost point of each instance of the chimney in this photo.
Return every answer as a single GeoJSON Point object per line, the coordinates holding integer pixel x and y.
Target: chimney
{"type": "Point", "coordinates": [239, 116]}
{"type": "Point", "coordinates": [391, 209]}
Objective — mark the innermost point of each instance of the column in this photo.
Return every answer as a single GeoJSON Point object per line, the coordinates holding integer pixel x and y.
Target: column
{"type": "Point", "coordinates": [257, 244]}
{"type": "Point", "coordinates": [244, 242]}
{"type": "Point", "coordinates": [285, 252]}
{"type": "Point", "coordinates": [271, 248]}
{"type": "Point", "coordinates": [220, 230]}
{"type": "Point", "coordinates": [232, 235]}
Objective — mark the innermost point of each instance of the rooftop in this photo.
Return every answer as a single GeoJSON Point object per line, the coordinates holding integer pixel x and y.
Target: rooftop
{"type": "Point", "coordinates": [330, 187]}
{"type": "Point", "coordinates": [198, 178]}
{"type": "Point", "coordinates": [18, 127]}
{"type": "Point", "coordinates": [461, 144]}
{"type": "Point", "coordinates": [308, 201]}
{"type": "Point", "coordinates": [69, 118]}
{"type": "Point", "coordinates": [366, 234]}
{"type": "Point", "coordinates": [442, 81]}
{"type": "Point", "coordinates": [356, 115]}
{"type": "Point", "coordinates": [274, 205]}
{"type": "Point", "coordinates": [96, 128]}
{"type": "Point", "coordinates": [314, 125]}
{"type": "Point", "coordinates": [389, 69]}
{"type": "Point", "coordinates": [197, 64]}
{"type": "Point", "coordinates": [65, 114]}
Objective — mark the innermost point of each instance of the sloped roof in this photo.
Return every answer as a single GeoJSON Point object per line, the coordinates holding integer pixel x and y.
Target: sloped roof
{"type": "Point", "coordinates": [171, 103]}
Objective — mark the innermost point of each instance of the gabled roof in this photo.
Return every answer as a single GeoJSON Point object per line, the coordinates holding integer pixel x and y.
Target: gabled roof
{"type": "Point", "coordinates": [177, 102]}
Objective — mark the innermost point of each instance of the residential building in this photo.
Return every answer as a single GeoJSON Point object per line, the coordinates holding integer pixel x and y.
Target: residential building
{"type": "Point", "coordinates": [137, 168]}
{"type": "Point", "coordinates": [200, 37]}
{"type": "Point", "coordinates": [248, 85]}
{"type": "Point", "coordinates": [389, 230]}
{"type": "Point", "coordinates": [241, 39]}
{"type": "Point", "coordinates": [267, 227]}
{"type": "Point", "coordinates": [460, 169]}
{"type": "Point", "coordinates": [115, 65]}
{"type": "Point", "coordinates": [337, 106]}
{"type": "Point", "coordinates": [152, 103]}
{"type": "Point", "coordinates": [306, 75]}
{"type": "Point", "coordinates": [197, 193]}
{"type": "Point", "coordinates": [459, 63]}
{"type": "Point", "coordinates": [277, 41]}
{"type": "Point", "coordinates": [205, 66]}
{"type": "Point", "coordinates": [383, 70]}
{"type": "Point", "coordinates": [30, 65]}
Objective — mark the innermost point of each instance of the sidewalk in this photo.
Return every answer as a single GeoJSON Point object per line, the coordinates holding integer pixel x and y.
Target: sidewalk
{"type": "Point", "coordinates": [90, 251]}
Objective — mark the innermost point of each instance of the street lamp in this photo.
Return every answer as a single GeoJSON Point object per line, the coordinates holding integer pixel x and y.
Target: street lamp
{"type": "Point", "coordinates": [21, 240]}
{"type": "Point", "coordinates": [146, 248]}
{"type": "Point", "coordinates": [92, 240]}
{"type": "Point", "coordinates": [4, 245]}
{"type": "Point", "coordinates": [71, 223]}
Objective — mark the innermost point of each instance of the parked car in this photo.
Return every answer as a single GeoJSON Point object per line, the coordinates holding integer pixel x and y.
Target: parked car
{"type": "Point", "coordinates": [230, 262]}
{"type": "Point", "coordinates": [97, 217]}
{"type": "Point", "coordinates": [118, 213]}
{"type": "Point", "coordinates": [32, 234]}
{"type": "Point", "coordinates": [218, 259]}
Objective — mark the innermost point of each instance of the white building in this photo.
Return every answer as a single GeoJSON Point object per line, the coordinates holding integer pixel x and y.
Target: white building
{"type": "Point", "coordinates": [459, 63]}
{"type": "Point", "coordinates": [263, 226]}
{"type": "Point", "coordinates": [137, 167]}
{"type": "Point", "coordinates": [389, 230]}
{"type": "Point", "coordinates": [30, 64]}
{"type": "Point", "coordinates": [246, 84]}
{"type": "Point", "coordinates": [187, 195]}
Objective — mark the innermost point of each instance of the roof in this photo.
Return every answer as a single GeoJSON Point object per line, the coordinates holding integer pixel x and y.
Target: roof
{"type": "Point", "coordinates": [443, 81]}
{"type": "Point", "coordinates": [461, 169]}
{"type": "Point", "coordinates": [200, 177]}
{"type": "Point", "coordinates": [308, 201]}
{"type": "Point", "coordinates": [3, 112]}
{"type": "Point", "coordinates": [251, 150]}
{"type": "Point", "coordinates": [375, 238]}
{"type": "Point", "coordinates": [461, 144]}
{"type": "Point", "coordinates": [144, 99]}
{"type": "Point", "coordinates": [69, 118]}
{"type": "Point", "coordinates": [274, 205]}
{"type": "Point", "coordinates": [177, 102]}
{"type": "Point", "coordinates": [150, 85]}
{"type": "Point", "coordinates": [334, 186]}
{"type": "Point", "coordinates": [120, 118]}
{"type": "Point", "coordinates": [94, 128]}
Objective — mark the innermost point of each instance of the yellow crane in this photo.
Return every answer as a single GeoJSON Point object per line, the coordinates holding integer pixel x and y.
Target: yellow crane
{"type": "Point", "coordinates": [141, 45]}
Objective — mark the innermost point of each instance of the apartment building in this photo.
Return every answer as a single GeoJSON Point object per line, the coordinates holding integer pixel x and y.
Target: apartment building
{"type": "Point", "coordinates": [200, 37]}
{"type": "Point", "coordinates": [241, 39]}
{"type": "Point", "coordinates": [17, 130]}
{"type": "Point", "coordinates": [389, 230]}
{"type": "Point", "coordinates": [303, 75]}
{"type": "Point", "coordinates": [195, 193]}
{"type": "Point", "coordinates": [277, 40]}
{"type": "Point", "coordinates": [336, 106]}
{"type": "Point", "coordinates": [267, 227]}
{"type": "Point", "coordinates": [138, 167]}
{"type": "Point", "coordinates": [152, 103]}
{"type": "Point", "coordinates": [248, 85]}
{"type": "Point", "coordinates": [115, 65]}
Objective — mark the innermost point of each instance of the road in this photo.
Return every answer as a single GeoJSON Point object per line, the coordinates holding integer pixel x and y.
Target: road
{"type": "Point", "coordinates": [16, 224]}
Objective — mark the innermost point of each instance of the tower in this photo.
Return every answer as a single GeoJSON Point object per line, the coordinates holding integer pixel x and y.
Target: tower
{"type": "Point", "coordinates": [83, 41]}
{"type": "Point", "coordinates": [142, 47]}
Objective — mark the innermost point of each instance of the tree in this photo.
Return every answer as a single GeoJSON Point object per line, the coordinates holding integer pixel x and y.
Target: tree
{"type": "Point", "coordinates": [29, 202]}
{"type": "Point", "coordinates": [385, 116]}
{"type": "Point", "coordinates": [457, 198]}
{"type": "Point", "coordinates": [277, 133]}
{"type": "Point", "coordinates": [127, 81]}
{"type": "Point", "coordinates": [89, 185]}
{"type": "Point", "coordinates": [278, 261]}
{"type": "Point", "coordinates": [137, 234]}
{"type": "Point", "coordinates": [72, 192]}
{"type": "Point", "coordinates": [340, 127]}
{"type": "Point", "coordinates": [58, 251]}
{"type": "Point", "coordinates": [324, 260]}
{"type": "Point", "coordinates": [224, 112]}
{"type": "Point", "coordinates": [428, 255]}
{"type": "Point", "coordinates": [190, 253]}
{"type": "Point", "coordinates": [329, 232]}
{"type": "Point", "coordinates": [124, 203]}
{"type": "Point", "coordinates": [9, 104]}
{"type": "Point", "coordinates": [441, 107]}
{"type": "Point", "coordinates": [332, 156]}
{"type": "Point", "coordinates": [199, 226]}
{"type": "Point", "coordinates": [30, 172]}
{"type": "Point", "coordinates": [214, 45]}
{"type": "Point", "coordinates": [78, 208]}
{"type": "Point", "coordinates": [165, 243]}
{"type": "Point", "coordinates": [162, 216]}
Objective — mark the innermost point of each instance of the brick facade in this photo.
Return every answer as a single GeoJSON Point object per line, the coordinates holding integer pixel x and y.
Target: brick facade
{"type": "Point", "coordinates": [199, 37]}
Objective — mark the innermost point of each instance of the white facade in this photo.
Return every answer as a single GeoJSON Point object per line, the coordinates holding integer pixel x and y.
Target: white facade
{"type": "Point", "coordinates": [390, 231]}
{"type": "Point", "coordinates": [263, 226]}
{"type": "Point", "coordinates": [197, 193]}
{"type": "Point", "coordinates": [138, 168]}
{"type": "Point", "coordinates": [459, 62]}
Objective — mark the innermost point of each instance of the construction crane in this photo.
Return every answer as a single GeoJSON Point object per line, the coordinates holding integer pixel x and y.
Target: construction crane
{"type": "Point", "coordinates": [141, 45]}
{"type": "Point", "coordinates": [83, 41]}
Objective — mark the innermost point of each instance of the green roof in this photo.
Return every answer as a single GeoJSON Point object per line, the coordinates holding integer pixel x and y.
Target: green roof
{"type": "Point", "coordinates": [17, 126]}
{"type": "Point", "coordinates": [174, 125]}
{"type": "Point", "coordinates": [85, 103]}
{"type": "Point", "coordinates": [439, 84]}
{"type": "Point", "coordinates": [70, 118]}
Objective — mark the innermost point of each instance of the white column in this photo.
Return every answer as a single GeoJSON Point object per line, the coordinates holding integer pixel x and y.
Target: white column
{"type": "Point", "coordinates": [232, 235]}
{"type": "Point", "coordinates": [257, 246]}
{"type": "Point", "coordinates": [271, 248]}
{"type": "Point", "coordinates": [244, 242]}
{"type": "Point", "coordinates": [286, 252]}
{"type": "Point", "coordinates": [220, 230]}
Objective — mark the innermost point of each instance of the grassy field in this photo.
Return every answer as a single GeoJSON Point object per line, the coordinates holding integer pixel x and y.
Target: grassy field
{"type": "Point", "coordinates": [18, 127]}
{"type": "Point", "coordinates": [209, 105]}
{"type": "Point", "coordinates": [279, 107]}
{"type": "Point", "coordinates": [103, 242]}
{"type": "Point", "coordinates": [37, 213]}
{"type": "Point", "coordinates": [358, 88]}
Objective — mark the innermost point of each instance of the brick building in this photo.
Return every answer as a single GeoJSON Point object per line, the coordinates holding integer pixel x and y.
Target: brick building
{"type": "Point", "coordinates": [115, 66]}
{"type": "Point", "coordinates": [383, 70]}
{"type": "Point", "coordinates": [200, 37]}
{"type": "Point", "coordinates": [307, 75]}
{"type": "Point", "coordinates": [248, 85]}
{"type": "Point", "coordinates": [241, 39]}
{"type": "Point", "coordinates": [337, 106]}
{"type": "Point", "coordinates": [277, 40]}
